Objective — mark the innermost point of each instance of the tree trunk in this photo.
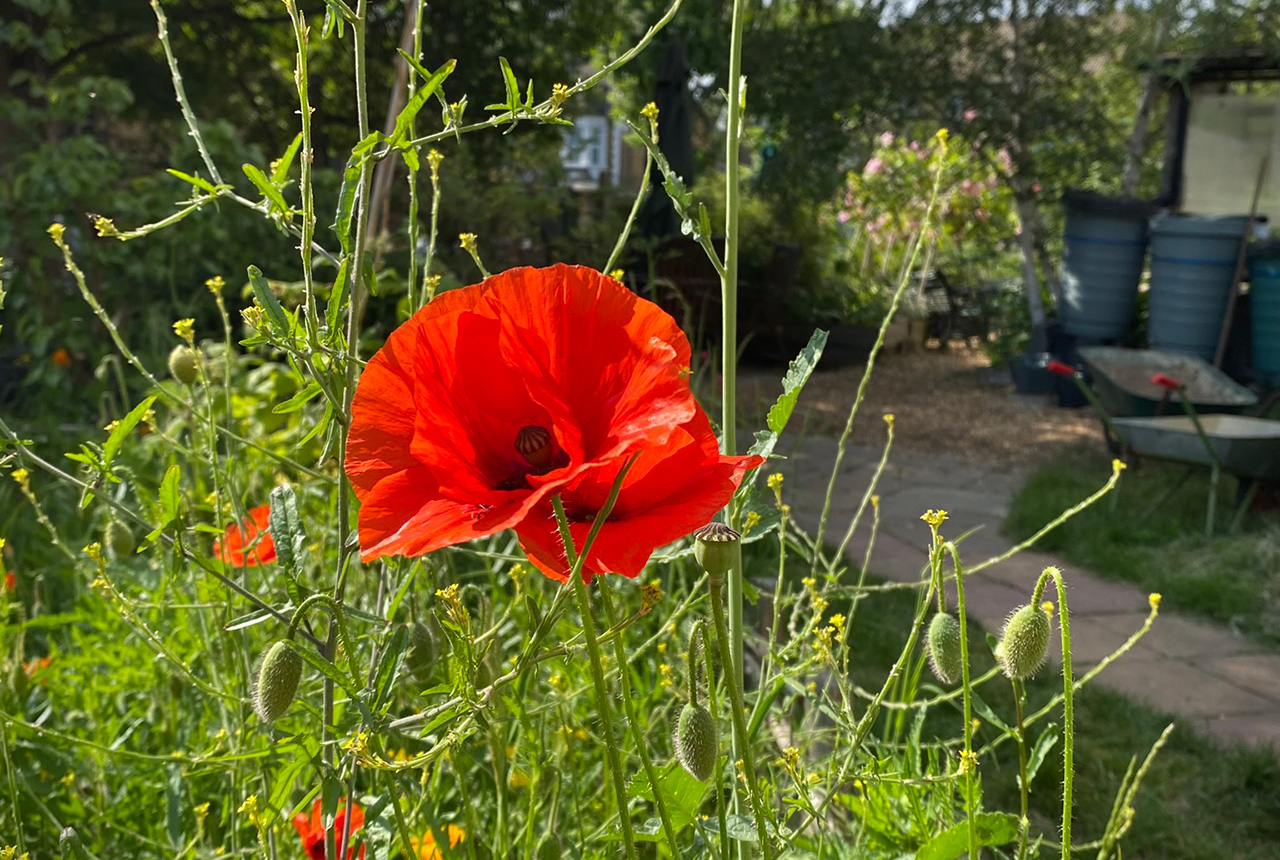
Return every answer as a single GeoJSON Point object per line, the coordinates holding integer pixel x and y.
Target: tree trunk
{"type": "Point", "coordinates": [1027, 220]}
{"type": "Point", "coordinates": [1142, 118]}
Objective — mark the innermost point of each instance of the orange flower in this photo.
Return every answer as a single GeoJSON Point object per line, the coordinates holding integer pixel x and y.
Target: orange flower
{"type": "Point", "coordinates": [60, 357]}
{"type": "Point", "coordinates": [35, 667]}
{"type": "Point", "coordinates": [251, 533]}
{"type": "Point", "coordinates": [10, 583]}
{"type": "Point", "coordinates": [426, 848]}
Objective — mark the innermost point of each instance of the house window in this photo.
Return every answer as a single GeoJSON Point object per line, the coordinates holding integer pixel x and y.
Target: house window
{"type": "Point", "coordinates": [585, 152]}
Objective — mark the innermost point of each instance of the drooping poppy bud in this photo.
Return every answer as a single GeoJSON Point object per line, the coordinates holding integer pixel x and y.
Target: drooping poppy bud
{"type": "Point", "coordinates": [697, 741]}
{"type": "Point", "coordinates": [277, 681]}
{"type": "Point", "coordinates": [118, 539]}
{"type": "Point", "coordinates": [944, 648]}
{"type": "Point", "coordinates": [1025, 642]}
{"type": "Point", "coordinates": [182, 364]}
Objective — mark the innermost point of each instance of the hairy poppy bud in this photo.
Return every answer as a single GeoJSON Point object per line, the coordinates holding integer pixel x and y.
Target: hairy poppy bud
{"type": "Point", "coordinates": [1024, 642]}
{"type": "Point", "coordinates": [424, 645]}
{"type": "Point", "coordinates": [69, 844]}
{"type": "Point", "coordinates": [277, 681]}
{"type": "Point", "coordinates": [551, 848]}
{"type": "Point", "coordinates": [118, 539]}
{"type": "Point", "coordinates": [944, 648]}
{"type": "Point", "coordinates": [697, 741]}
{"type": "Point", "coordinates": [182, 364]}
{"type": "Point", "coordinates": [716, 549]}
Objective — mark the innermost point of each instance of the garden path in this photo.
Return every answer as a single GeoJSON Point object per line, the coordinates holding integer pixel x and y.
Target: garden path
{"type": "Point", "coordinates": [1202, 674]}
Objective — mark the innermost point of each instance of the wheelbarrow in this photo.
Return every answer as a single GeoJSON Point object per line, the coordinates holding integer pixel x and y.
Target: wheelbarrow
{"type": "Point", "coordinates": [1122, 382]}
{"type": "Point", "coordinates": [1245, 447]}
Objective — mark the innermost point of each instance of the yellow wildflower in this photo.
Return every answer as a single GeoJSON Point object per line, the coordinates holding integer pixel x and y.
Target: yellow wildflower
{"type": "Point", "coordinates": [934, 518]}
{"type": "Point", "coordinates": [185, 329]}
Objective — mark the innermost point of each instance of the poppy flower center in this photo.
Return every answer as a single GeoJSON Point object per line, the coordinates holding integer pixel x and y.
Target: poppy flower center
{"type": "Point", "coordinates": [533, 442]}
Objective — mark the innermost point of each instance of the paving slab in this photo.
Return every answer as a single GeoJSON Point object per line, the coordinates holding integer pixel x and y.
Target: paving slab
{"type": "Point", "coordinates": [1179, 688]}
{"type": "Point", "coordinates": [1092, 642]}
{"type": "Point", "coordinates": [1175, 635]}
{"type": "Point", "coordinates": [1262, 730]}
{"type": "Point", "coordinates": [1258, 673]}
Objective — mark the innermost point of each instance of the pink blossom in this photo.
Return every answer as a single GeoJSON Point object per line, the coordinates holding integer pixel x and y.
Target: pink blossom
{"type": "Point", "coordinates": [971, 114]}
{"type": "Point", "coordinates": [916, 147]}
{"type": "Point", "coordinates": [982, 214]}
{"type": "Point", "coordinates": [873, 167]}
{"type": "Point", "coordinates": [971, 188]}
{"type": "Point", "coordinates": [842, 216]}
{"type": "Point", "coordinates": [887, 139]}
{"type": "Point", "coordinates": [1036, 188]}
{"type": "Point", "coordinates": [1004, 160]}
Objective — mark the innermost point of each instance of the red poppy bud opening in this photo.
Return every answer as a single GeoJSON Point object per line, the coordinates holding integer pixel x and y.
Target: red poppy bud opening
{"type": "Point", "coordinates": [1165, 381]}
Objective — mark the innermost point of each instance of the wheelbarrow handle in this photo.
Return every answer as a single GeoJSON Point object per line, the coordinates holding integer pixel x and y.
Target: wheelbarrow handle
{"type": "Point", "coordinates": [1061, 368]}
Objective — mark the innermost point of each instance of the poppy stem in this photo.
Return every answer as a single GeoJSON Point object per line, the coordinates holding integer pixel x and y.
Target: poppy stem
{"type": "Point", "coordinates": [576, 562]}
{"type": "Point", "coordinates": [733, 663]}
{"type": "Point", "coordinates": [743, 759]}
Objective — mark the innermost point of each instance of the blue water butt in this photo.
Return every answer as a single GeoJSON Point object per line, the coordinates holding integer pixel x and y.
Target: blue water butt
{"type": "Point", "coordinates": [1104, 251]}
{"type": "Point", "coordinates": [1193, 259]}
{"type": "Point", "coordinates": [1264, 309]}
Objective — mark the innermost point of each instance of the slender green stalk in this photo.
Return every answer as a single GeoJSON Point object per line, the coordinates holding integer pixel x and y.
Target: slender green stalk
{"type": "Point", "coordinates": [1068, 697]}
{"type": "Point", "coordinates": [729, 389]}
{"type": "Point", "coordinates": [1019, 695]}
{"type": "Point", "coordinates": [162, 26]}
{"type": "Point", "coordinates": [871, 361]}
{"type": "Point", "coordinates": [412, 281]}
{"type": "Point", "coordinates": [635, 209]}
{"type": "Point", "coordinates": [634, 724]}
{"type": "Point", "coordinates": [968, 761]}
{"type": "Point", "coordinates": [346, 547]}
{"type": "Point", "coordinates": [736, 710]}
{"type": "Point", "coordinates": [722, 810]}
{"type": "Point", "coordinates": [13, 790]}
{"type": "Point", "coordinates": [305, 158]}
{"type": "Point", "coordinates": [597, 679]}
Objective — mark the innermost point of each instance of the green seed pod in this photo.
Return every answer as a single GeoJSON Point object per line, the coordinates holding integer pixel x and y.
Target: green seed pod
{"type": "Point", "coordinates": [1024, 642]}
{"type": "Point", "coordinates": [550, 848]}
{"type": "Point", "coordinates": [944, 648]}
{"type": "Point", "coordinates": [118, 539]}
{"type": "Point", "coordinates": [277, 681]}
{"type": "Point", "coordinates": [69, 844]}
{"type": "Point", "coordinates": [716, 549]}
{"type": "Point", "coordinates": [424, 645]}
{"type": "Point", "coordinates": [182, 364]}
{"type": "Point", "coordinates": [697, 741]}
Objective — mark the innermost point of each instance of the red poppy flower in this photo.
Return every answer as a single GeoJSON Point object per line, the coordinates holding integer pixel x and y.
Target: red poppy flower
{"type": "Point", "coordinates": [10, 582]}
{"type": "Point", "coordinates": [313, 833]}
{"type": "Point", "coordinates": [238, 537]}
{"type": "Point", "coordinates": [670, 491]}
{"type": "Point", "coordinates": [496, 395]}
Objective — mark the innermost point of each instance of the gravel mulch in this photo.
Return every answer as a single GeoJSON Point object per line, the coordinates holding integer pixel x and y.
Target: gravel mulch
{"type": "Point", "coordinates": [944, 402]}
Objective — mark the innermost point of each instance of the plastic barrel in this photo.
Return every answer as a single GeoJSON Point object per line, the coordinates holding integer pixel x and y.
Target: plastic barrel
{"type": "Point", "coordinates": [1264, 308]}
{"type": "Point", "coordinates": [1192, 261]}
{"type": "Point", "coordinates": [1104, 249]}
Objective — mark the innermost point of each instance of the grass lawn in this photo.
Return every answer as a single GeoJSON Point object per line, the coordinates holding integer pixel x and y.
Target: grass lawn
{"type": "Point", "coordinates": [1230, 578]}
{"type": "Point", "coordinates": [1200, 801]}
